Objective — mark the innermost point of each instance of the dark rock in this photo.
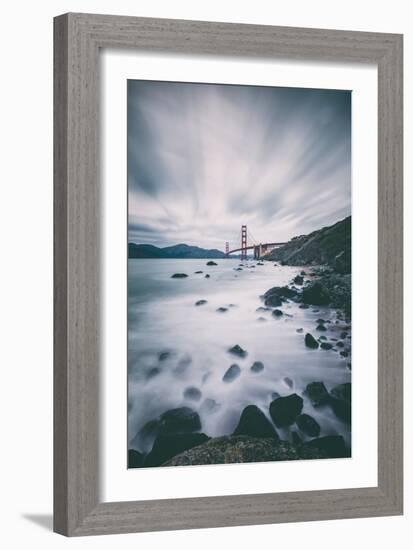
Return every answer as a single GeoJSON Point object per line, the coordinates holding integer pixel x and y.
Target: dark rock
{"type": "Point", "coordinates": [285, 410]}
{"type": "Point", "coordinates": [243, 449]}
{"type": "Point", "coordinates": [261, 319]}
{"type": "Point", "coordinates": [288, 382]}
{"type": "Point", "coordinates": [295, 438]}
{"type": "Point", "coordinates": [298, 280]}
{"type": "Point", "coordinates": [211, 263]}
{"type": "Point", "coordinates": [263, 308]}
{"type": "Point", "coordinates": [192, 393]}
{"type": "Point", "coordinates": [342, 392]}
{"type": "Point", "coordinates": [165, 355]}
{"type": "Point", "coordinates": [168, 446]}
{"type": "Point", "coordinates": [303, 273]}
{"type": "Point", "coordinates": [135, 459]}
{"type": "Point", "coordinates": [149, 430]}
{"type": "Point", "coordinates": [257, 366]}
{"type": "Point", "coordinates": [340, 344]}
{"type": "Point", "coordinates": [332, 445]}
{"type": "Point", "coordinates": [321, 327]}
{"type": "Point", "coordinates": [232, 373]}
{"type": "Point", "coordinates": [299, 330]}
{"type": "Point", "coordinates": [323, 337]}
{"type": "Point", "coordinates": [238, 269]}
{"type": "Point", "coordinates": [342, 409]}
{"type": "Point", "coordinates": [260, 263]}
{"type": "Point", "coordinates": [207, 276]}
{"type": "Point", "coordinates": [344, 353]}
{"type": "Point", "coordinates": [282, 292]}
{"type": "Point", "coordinates": [201, 302]}
{"type": "Point", "coordinates": [154, 371]}
{"type": "Point", "coordinates": [179, 420]}
{"type": "Point", "coordinates": [179, 276]}
{"type": "Point", "coordinates": [277, 313]}
{"type": "Point", "coordinates": [308, 425]}
{"type": "Point", "coordinates": [315, 294]}
{"type": "Point", "coordinates": [275, 395]}
{"type": "Point", "coordinates": [317, 393]}
{"type": "Point", "coordinates": [343, 334]}
{"type": "Point", "coordinates": [321, 320]}
{"type": "Point", "coordinates": [222, 309]}
{"type": "Point", "coordinates": [254, 423]}
{"type": "Point", "coordinates": [183, 365]}
{"type": "Point", "coordinates": [304, 306]}
{"type": "Point", "coordinates": [197, 272]}
{"type": "Point", "coordinates": [326, 345]}
{"type": "Point", "coordinates": [237, 350]}
{"type": "Point", "coordinates": [273, 301]}
{"type": "Point", "coordinates": [310, 341]}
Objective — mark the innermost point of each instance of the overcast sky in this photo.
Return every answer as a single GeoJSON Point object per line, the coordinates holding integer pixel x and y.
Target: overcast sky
{"type": "Point", "coordinates": [204, 159]}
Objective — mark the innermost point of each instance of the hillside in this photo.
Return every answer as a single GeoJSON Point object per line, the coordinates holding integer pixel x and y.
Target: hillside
{"type": "Point", "coordinates": [327, 246]}
{"type": "Point", "coordinates": [177, 251]}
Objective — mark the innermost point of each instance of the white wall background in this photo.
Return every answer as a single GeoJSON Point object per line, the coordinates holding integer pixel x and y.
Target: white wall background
{"type": "Point", "coordinates": [26, 271]}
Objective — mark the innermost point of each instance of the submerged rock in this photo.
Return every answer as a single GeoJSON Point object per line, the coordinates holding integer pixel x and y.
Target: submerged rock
{"type": "Point", "coordinates": [237, 350]}
{"type": "Point", "coordinates": [135, 459]}
{"type": "Point", "coordinates": [332, 445]}
{"type": "Point", "coordinates": [310, 341]}
{"type": "Point", "coordinates": [308, 425]}
{"type": "Point", "coordinates": [211, 263]}
{"type": "Point", "coordinates": [299, 330]}
{"type": "Point", "coordinates": [192, 393]}
{"type": "Point", "coordinates": [167, 446]}
{"type": "Point", "coordinates": [179, 420]}
{"type": "Point", "coordinates": [254, 423]}
{"type": "Point", "coordinates": [222, 309]}
{"type": "Point", "coordinates": [201, 302]}
{"type": "Point", "coordinates": [288, 382]}
{"type": "Point", "coordinates": [152, 372]}
{"type": "Point", "coordinates": [285, 410]}
{"type": "Point", "coordinates": [232, 373]}
{"type": "Point", "coordinates": [317, 393]}
{"type": "Point", "coordinates": [277, 313]}
{"type": "Point", "coordinates": [179, 276]}
{"type": "Point", "coordinates": [257, 366]}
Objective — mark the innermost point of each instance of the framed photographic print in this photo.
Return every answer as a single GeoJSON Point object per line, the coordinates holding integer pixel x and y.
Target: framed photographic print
{"type": "Point", "coordinates": [228, 274]}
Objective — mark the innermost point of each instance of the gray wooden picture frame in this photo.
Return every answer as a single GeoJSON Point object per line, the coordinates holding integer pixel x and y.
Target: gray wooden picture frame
{"type": "Point", "coordinates": [78, 39]}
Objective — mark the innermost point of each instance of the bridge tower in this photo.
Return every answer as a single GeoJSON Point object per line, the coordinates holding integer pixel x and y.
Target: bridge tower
{"type": "Point", "coordinates": [227, 248]}
{"type": "Point", "coordinates": [243, 242]}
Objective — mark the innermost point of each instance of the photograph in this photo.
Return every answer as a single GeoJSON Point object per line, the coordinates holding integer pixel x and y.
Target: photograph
{"type": "Point", "coordinates": [238, 274]}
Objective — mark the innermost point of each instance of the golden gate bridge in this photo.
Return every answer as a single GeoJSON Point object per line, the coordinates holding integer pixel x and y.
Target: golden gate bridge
{"type": "Point", "coordinates": [259, 249]}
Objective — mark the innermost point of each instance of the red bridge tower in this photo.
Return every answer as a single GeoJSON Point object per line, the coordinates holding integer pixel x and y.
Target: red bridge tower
{"type": "Point", "coordinates": [243, 242]}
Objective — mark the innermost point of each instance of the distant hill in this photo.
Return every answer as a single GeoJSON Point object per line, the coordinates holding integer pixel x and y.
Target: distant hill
{"type": "Point", "coordinates": [327, 246]}
{"type": "Point", "coordinates": [177, 251]}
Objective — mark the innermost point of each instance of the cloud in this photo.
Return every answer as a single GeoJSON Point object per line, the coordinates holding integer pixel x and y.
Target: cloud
{"type": "Point", "coordinates": [203, 159]}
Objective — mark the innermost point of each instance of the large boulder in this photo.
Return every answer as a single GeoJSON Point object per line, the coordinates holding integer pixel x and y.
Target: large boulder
{"type": "Point", "coordinates": [167, 446]}
{"type": "Point", "coordinates": [257, 366]}
{"type": "Point", "coordinates": [135, 459]}
{"type": "Point", "coordinates": [211, 263]}
{"type": "Point", "coordinates": [237, 350]}
{"type": "Point", "coordinates": [315, 294]}
{"type": "Point", "coordinates": [285, 410]}
{"type": "Point", "coordinates": [254, 423]}
{"type": "Point", "coordinates": [179, 420]}
{"type": "Point", "coordinates": [308, 425]}
{"type": "Point", "coordinates": [179, 276]}
{"type": "Point", "coordinates": [332, 445]}
{"type": "Point", "coordinates": [232, 373]}
{"type": "Point", "coordinates": [310, 341]}
{"type": "Point", "coordinates": [281, 292]}
{"type": "Point", "coordinates": [317, 393]}
{"type": "Point", "coordinates": [342, 392]}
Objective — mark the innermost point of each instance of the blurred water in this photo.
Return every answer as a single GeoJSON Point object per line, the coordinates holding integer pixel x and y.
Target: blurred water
{"type": "Point", "coordinates": [162, 317]}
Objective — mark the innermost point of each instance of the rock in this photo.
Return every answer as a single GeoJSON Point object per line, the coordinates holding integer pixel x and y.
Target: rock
{"type": "Point", "coordinates": [222, 309]}
{"type": "Point", "coordinates": [263, 309]}
{"type": "Point", "coordinates": [232, 373]}
{"type": "Point", "coordinates": [298, 280]}
{"type": "Point", "coordinates": [183, 365]}
{"type": "Point", "coordinates": [273, 301]}
{"type": "Point", "coordinates": [295, 438]}
{"type": "Point", "coordinates": [282, 292]}
{"type": "Point", "coordinates": [149, 430]}
{"type": "Point", "coordinates": [322, 337]}
{"type": "Point", "coordinates": [165, 355]}
{"type": "Point", "coordinates": [243, 449]}
{"type": "Point", "coordinates": [285, 410]}
{"type": "Point", "coordinates": [209, 406]}
{"type": "Point", "coordinates": [303, 273]}
{"type": "Point", "coordinates": [342, 392]}
{"type": "Point", "coordinates": [277, 313]}
{"type": "Point", "coordinates": [154, 371]}
{"type": "Point", "coordinates": [343, 334]}
{"type": "Point", "coordinates": [238, 269]}
{"type": "Point", "coordinates": [192, 393]}
{"type": "Point", "coordinates": [207, 276]}
{"type": "Point", "coordinates": [315, 294]}
{"type": "Point", "coordinates": [308, 425]}
{"type": "Point", "coordinates": [317, 393]}
{"type": "Point", "coordinates": [197, 272]}
{"type": "Point", "coordinates": [211, 263]}
{"type": "Point", "coordinates": [257, 366]}
{"type": "Point", "coordinates": [304, 306]}
{"type": "Point", "coordinates": [321, 321]}
{"type": "Point", "coordinates": [275, 395]}
{"type": "Point", "coordinates": [179, 420]}
{"type": "Point", "coordinates": [275, 265]}
{"type": "Point", "coordinates": [299, 330]}
{"type": "Point", "coordinates": [344, 353]}
{"type": "Point", "coordinates": [340, 344]}
{"type": "Point", "coordinates": [179, 276]}
{"type": "Point", "coordinates": [254, 423]}
{"type": "Point", "coordinates": [310, 341]}
{"type": "Point", "coordinates": [237, 350]}
{"type": "Point", "coordinates": [288, 381]}
{"type": "Point", "coordinates": [332, 445]}
{"type": "Point", "coordinates": [260, 263]}
{"type": "Point", "coordinates": [261, 319]}
{"type": "Point", "coordinates": [135, 459]}
{"type": "Point", "coordinates": [201, 302]}
{"type": "Point", "coordinates": [321, 327]}
{"type": "Point", "coordinates": [326, 345]}
{"type": "Point", "coordinates": [342, 409]}
{"type": "Point", "coordinates": [167, 446]}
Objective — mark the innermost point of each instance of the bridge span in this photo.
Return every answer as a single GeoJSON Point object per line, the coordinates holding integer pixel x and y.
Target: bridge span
{"type": "Point", "coordinates": [259, 249]}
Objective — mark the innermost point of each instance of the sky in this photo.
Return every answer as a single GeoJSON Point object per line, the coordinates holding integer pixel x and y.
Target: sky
{"type": "Point", "coordinates": [204, 159]}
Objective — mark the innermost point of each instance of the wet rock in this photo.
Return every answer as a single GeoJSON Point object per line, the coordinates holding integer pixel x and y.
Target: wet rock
{"type": "Point", "coordinates": [168, 446]}
{"type": "Point", "coordinates": [209, 406]}
{"type": "Point", "coordinates": [275, 395]}
{"type": "Point", "coordinates": [237, 350]}
{"type": "Point", "coordinates": [323, 337]}
{"type": "Point", "coordinates": [207, 276]}
{"type": "Point", "coordinates": [321, 328]}
{"type": "Point", "coordinates": [304, 306]}
{"type": "Point", "coordinates": [192, 393]}
{"type": "Point", "coordinates": [232, 373]}
{"type": "Point", "coordinates": [277, 313]}
{"type": "Point", "coordinates": [254, 423]}
{"type": "Point", "coordinates": [281, 291]}
{"type": "Point", "coordinates": [154, 371]}
{"type": "Point", "coordinates": [295, 438]}
{"type": "Point", "coordinates": [343, 334]}
{"type": "Point", "coordinates": [135, 459]}
{"type": "Point", "coordinates": [179, 420]}
{"type": "Point", "coordinates": [326, 345]}
{"type": "Point", "coordinates": [315, 294]}
{"type": "Point", "coordinates": [211, 263]}
{"type": "Point", "coordinates": [257, 366]}
{"type": "Point", "coordinates": [308, 425]}
{"type": "Point", "coordinates": [344, 353]}
{"type": "Point", "coordinates": [238, 269]}
{"type": "Point", "coordinates": [149, 430]}
{"type": "Point", "coordinates": [179, 276]}
{"type": "Point", "coordinates": [165, 355]}
{"type": "Point", "coordinates": [299, 330]}
{"type": "Point", "coordinates": [317, 393]}
{"type": "Point", "coordinates": [332, 445]}
{"type": "Point", "coordinates": [288, 382]}
{"type": "Point", "coordinates": [273, 301]}
{"type": "Point", "coordinates": [275, 265]}
{"type": "Point", "coordinates": [340, 344]}
{"type": "Point", "coordinates": [243, 449]}
{"type": "Point", "coordinates": [342, 409]}
{"type": "Point", "coordinates": [285, 410]}
{"type": "Point", "coordinates": [260, 263]}
{"type": "Point", "coordinates": [321, 321]}
{"type": "Point", "coordinates": [310, 341]}
{"type": "Point", "coordinates": [303, 273]}
{"type": "Point", "coordinates": [222, 309]}
{"type": "Point", "coordinates": [201, 302]}
{"type": "Point", "coordinates": [298, 280]}
{"type": "Point", "coordinates": [263, 309]}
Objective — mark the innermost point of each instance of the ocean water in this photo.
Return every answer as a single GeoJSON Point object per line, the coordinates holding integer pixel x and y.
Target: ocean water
{"type": "Point", "coordinates": [174, 345]}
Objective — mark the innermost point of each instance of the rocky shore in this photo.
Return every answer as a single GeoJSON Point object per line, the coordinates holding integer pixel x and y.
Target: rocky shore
{"type": "Point", "coordinates": [177, 438]}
